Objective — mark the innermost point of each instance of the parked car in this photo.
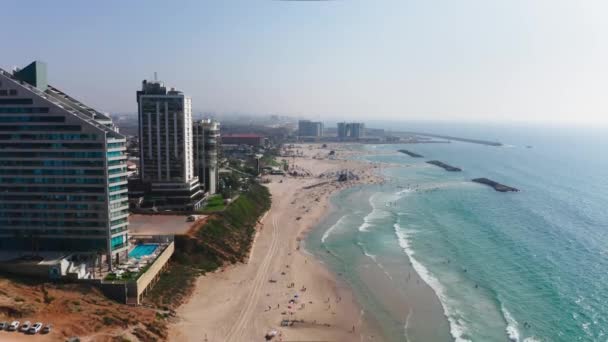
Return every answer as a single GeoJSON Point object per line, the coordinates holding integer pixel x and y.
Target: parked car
{"type": "Point", "coordinates": [25, 326]}
{"type": "Point", "coordinates": [47, 328]}
{"type": "Point", "coordinates": [35, 328]}
{"type": "Point", "coordinates": [14, 326]}
{"type": "Point", "coordinates": [3, 325]}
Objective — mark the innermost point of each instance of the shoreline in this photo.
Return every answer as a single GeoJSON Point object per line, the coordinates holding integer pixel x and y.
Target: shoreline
{"type": "Point", "coordinates": [244, 301]}
{"type": "Point", "coordinates": [417, 304]}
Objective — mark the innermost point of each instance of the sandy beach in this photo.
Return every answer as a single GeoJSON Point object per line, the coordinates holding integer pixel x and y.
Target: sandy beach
{"type": "Point", "coordinates": [243, 302]}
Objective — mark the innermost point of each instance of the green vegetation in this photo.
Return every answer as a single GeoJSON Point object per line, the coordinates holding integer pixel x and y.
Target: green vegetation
{"type": "Point", "coordinates": [269, 160]}
{"type": "Point", "coordinates": [215, 203]}
{"type": "Point", "coordinates": [127, 276]}
{"type": "Point", "coordinates": [174, 285]}
{"type": "Point", "coordinates": [225, 238]}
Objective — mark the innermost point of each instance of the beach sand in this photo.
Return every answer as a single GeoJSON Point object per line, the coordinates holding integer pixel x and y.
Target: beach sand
{"type": "Point", "coordinates": [243, 302]}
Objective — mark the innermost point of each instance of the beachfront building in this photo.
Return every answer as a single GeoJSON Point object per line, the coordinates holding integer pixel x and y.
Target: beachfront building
{"type": "Point", "coordinates": [63, 175]}
{"type": "Point", "coordinates": [206, 143]}
{"type": "Point", "coordinates": [307, 128]}
{"type": "Point", "coordinates": [351, 130]}
{"type": "Point", "coordinates": [166, 148]}
{"type": "Point", "coordinates": [250, 139]}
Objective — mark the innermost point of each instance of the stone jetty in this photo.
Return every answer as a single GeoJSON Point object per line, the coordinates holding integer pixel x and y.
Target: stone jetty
{"type": "Point", "coordinates": [411, 154]}
{"type": "Point", "coordinates": [497, 186]}
{"type": "Point", "coordinates": [444, 166]}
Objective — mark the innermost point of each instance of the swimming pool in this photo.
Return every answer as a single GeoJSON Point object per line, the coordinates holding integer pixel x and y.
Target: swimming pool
{"type": "Point", "coordinates": [142, 250]}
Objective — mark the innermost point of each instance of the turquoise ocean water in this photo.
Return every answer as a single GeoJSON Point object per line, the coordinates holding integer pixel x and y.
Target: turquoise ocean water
{"type": "Point", "coordinates": [527, 266]}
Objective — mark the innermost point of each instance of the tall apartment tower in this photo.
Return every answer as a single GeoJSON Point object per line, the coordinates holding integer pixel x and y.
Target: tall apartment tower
{"type": "Point", "coordinates": [166, 151]}
{"type": "Point", "coordinates": [343, 130]}
{"type": "Point", "coordinates": [357, 130]}
{"type": "Point", "coordinates": [206, 144]}
{"type": "Point", "coordinates": [351, 130]}
{"type": "Point", "coordinates": [307, 128]}
{"type": "Point", "coordinates": [63, 172]}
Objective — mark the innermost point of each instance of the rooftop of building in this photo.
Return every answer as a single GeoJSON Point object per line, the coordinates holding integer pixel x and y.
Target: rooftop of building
{"type": "Point", "coordinates": [209, 123]}
{"type": "Point", "coordinates": [33, 77]}
{"type": "Point", "coordinates": [241, 135]}
{"type": "Point", "coordinates": [28, 257]}
{"type": "Point", "coordinates": [156, 88]}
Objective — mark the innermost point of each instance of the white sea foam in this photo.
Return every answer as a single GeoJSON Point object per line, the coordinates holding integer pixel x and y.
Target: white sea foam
{"type": "Point", "coordinates": [512, 331]}
{"type": "Point", "coordinates": [375, 214]}
{"type": "Point", "coordinates": [367, 220]}
{"type": "Point", "coordinates": [331, 229]}
{"type": "Point", "coordinates": [457, 326]}
{"type": "Point", "coordinates": [364, 227]}
{"type": "Point", "coordinates": [403, 192]}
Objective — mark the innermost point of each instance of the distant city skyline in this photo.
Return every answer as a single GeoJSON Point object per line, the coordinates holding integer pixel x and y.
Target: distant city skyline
{"type": "Point", "coordinates": [540, 61]}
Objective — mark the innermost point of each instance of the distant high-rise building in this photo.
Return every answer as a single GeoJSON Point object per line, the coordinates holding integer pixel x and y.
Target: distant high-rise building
{"type": "Point", "coordinates": [166, 153]}
{"type": "Point", "coordinates": [343, 131]}
{"type": "Point", "coordinates": [206, 135]}
{"type": "Point", "coordinates": [63, 172]}
{"type": "Point", "coordinates": [307, 128]}
{"type": "Point", "coordinates": [351, 130]}
{"type": "Point", "coordinates": [357, 130]}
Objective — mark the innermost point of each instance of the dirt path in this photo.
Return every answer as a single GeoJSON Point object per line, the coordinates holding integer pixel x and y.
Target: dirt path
{"type": "Point", "coordinates": [237, 330]}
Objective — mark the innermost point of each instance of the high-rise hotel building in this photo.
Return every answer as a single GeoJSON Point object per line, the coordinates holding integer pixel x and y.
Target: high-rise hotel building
{"type": "Point", "coordinates": [166, 148]}
{"type": "Point", "coordinates": [63, 173]}
{"type": "Point", "coordinates": [206, 145]}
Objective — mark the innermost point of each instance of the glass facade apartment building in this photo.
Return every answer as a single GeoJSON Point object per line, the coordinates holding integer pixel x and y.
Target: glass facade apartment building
{"type": "Point", "coordinates": [307, 128]}
{"type": "Point", "coordinates": [352, 130]}
{"type": "Point", "coordinates": [166, 148]}
{"type": "Point", "coordinates": [63, 173]}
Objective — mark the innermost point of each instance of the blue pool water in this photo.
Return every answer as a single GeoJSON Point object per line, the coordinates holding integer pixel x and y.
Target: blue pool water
{"type": "Point", "coordinates": [142, 250]}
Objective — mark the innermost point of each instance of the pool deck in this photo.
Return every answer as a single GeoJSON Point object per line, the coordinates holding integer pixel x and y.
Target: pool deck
{"type": "Point", "coordinates": [132, 291]}
{"type": "Point", "coordinates": [151, 276]}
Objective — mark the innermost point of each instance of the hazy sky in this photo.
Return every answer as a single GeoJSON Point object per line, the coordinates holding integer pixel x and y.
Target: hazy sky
{"type": "Point", "coordinates": [395, 59]}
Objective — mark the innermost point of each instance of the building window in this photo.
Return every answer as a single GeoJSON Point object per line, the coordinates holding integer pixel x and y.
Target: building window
{"type": "Point", "coordinates": [16, 101]}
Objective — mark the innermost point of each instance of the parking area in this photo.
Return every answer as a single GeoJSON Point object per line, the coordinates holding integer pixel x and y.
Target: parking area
{"type": "Point", "coordinates": [26, 331]}
{"type": "Point", "coordinates": [160, 224]}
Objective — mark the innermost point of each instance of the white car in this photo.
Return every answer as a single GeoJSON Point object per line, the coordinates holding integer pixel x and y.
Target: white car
{"type": "Point", "coordinates": [25, 326]}
{"type": "Point", "coordinates": [35, 328]}
{"type": "Point", "coordinates": [14, 326]}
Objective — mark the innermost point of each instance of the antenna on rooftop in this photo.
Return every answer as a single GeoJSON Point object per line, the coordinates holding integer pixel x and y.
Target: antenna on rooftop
{"type": "Point", "coordinates": [155, 77]}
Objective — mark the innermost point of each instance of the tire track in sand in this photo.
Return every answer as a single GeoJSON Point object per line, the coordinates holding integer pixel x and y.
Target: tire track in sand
{"type": "Point", "coordinates": [242, 321]}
